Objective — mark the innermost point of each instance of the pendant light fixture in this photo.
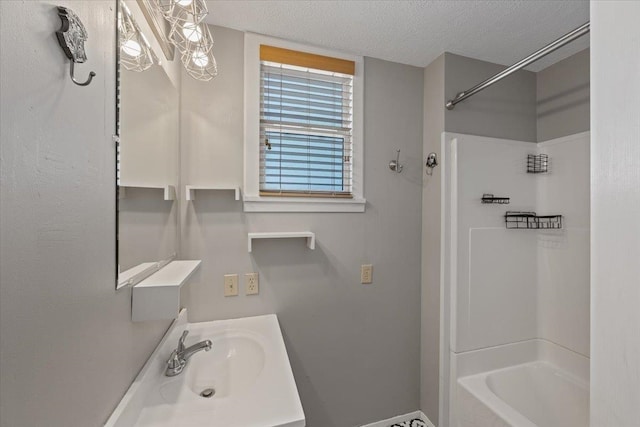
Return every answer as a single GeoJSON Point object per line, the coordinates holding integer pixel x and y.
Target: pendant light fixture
{"type": "Point", "coordinates": [135, 51]}
{"type": "Point", "coordinates": [198, 57]}
{"type": "Point", "coordinates": [190, 35]}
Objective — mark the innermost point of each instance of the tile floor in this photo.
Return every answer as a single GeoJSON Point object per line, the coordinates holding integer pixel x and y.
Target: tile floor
{"type": "Point", "coordinates": [416, 422]}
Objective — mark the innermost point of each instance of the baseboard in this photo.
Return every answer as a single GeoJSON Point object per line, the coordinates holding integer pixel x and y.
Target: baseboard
{"type": "Point", "coordinates": [406, 418]}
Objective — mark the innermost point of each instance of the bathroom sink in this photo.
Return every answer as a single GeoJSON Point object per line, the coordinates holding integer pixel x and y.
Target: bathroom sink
{"type": "Point", "coordinates": [244, 380]}
{"type": "Point", "coordinates": [231, 368]}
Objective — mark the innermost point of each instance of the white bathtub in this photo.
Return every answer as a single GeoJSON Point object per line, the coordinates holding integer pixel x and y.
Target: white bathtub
{"type": "Point", "coordinates": [551, 390]}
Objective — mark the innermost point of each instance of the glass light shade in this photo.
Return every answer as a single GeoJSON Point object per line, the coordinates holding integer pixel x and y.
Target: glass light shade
{"type": "Point", "coordinates": [190, 10]}
{"type": "Point", "coordinates": [132, 48]}
{"type": "Point", "coordinates": [198, 58]}
{"type": "Point", "coordinates": [136, 52]}
{"type": "Point", "coordinates": [181, 11]}
{"type": "Point", "coordinates": [192, 32]}
{"type": "Point", "coordinates": [187, 35]}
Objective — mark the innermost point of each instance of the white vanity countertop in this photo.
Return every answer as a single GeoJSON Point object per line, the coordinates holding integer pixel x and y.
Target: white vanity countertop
{"type": "Point", "coordinates": [248, 367]}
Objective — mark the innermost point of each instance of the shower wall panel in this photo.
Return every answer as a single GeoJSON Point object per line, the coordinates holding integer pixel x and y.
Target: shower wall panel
{"type": "Point", "coordinates": [493, 287]}
{"type": "Point", "coordinates": [563, 258]}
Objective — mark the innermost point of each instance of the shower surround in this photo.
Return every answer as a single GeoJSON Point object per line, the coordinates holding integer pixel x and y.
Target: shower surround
{"type": "Point", "coordinates": [513, 297]}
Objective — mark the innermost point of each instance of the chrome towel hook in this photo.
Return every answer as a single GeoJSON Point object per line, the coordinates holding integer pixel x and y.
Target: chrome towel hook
{"type": "Point", "coordinates": [395, 165]}
{"type": "Point", "coordinates": [71, 37]}
{"type": "Point", "coordinates": [432, 162]}
{"type": "Point", "coordinates": [91, 76]}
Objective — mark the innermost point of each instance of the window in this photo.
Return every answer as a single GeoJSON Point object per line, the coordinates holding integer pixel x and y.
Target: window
{"type": "Point", "coordinates": [306, 116]}
{"type": "Point", "coordinates": [303, 130]}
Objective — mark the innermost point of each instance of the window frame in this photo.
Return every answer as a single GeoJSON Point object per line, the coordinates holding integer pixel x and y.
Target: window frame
{"type": "Point", "coordinates": [252, 200]}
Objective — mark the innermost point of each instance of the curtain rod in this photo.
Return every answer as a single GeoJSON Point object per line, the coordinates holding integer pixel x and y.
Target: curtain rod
{"type": "Point", "coordinates": [567, 38]}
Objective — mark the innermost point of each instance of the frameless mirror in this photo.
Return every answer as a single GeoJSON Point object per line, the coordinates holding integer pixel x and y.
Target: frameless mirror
{"type": "Point", "coordinates": [148, 131]}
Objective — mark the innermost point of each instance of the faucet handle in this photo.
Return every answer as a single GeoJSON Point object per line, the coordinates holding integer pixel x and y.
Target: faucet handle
{"type": "Point", "coordinates": [173, 361]}
{"type": "Point", "coordinates": [175, 365]}
{"type": "Point", "coordinates": [181, 341]}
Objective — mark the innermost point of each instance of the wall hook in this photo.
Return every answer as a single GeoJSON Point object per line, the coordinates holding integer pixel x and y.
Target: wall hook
{"type": "Point", "coordinates": [71, 37]}
{"type": "Point", "coordinates": [432, 162]}
{"type": "Point", "coordinates": [91, 76]}
{"type": "Point", "coordinates": [395, 165]}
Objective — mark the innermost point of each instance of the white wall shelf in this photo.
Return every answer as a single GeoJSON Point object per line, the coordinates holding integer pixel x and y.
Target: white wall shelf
{"type": "Point", "coordinates": [310, 236]}
{"type": "Point", "coordinates": [169, 190]}
{"type": "Point", "coordinates": [190, 190]}
{"type": "Point", "coordinates": [125, 277]}
{"type": "Point", "coordinates": [158, 296]}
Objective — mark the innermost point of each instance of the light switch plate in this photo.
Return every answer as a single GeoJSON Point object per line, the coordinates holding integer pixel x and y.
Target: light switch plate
{"type": "Point", "coordinates": [251, 284]}
{"type": "Point", "coordinates": [230, 285]}
{"type": "Point", "coordinates": [366, 273]}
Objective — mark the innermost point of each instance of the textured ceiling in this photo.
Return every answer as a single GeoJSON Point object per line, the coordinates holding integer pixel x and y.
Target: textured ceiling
{"type": "Point", "coordinates": [415, 32]}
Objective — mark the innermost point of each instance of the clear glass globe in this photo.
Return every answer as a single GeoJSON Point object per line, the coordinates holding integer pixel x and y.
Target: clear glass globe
{"type": "Point", "coordinates": [132, 48]}
{"type": "Point", "coordinates": [200, 58]}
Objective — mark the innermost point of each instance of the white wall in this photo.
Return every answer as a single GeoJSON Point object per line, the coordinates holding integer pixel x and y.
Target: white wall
{"type": "Point", "coordinates": [431, 363]}
{"type": "Point", "coordinates": [493, 288]}
{"type": "Point", "coordinates": [511, 286]}
{"type": "Point", "coordinates": [514, 285]}
{"type": "Point", "coordinates": [68, 350]}
{"type": "Point", "coordinates": [354, 348]}
{"type": "Point", "coordinates": [615, 209]}
{"type": "Point", "coordinates": [563, 297]}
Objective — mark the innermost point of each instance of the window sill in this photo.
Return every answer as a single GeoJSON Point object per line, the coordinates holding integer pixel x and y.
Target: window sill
{"type": "Point", "coordinates": [290, 204]}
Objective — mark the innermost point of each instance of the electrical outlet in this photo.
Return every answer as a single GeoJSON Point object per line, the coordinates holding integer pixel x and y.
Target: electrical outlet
{"type": "Point", "coordinates": [251, 285]}
{"type": "Point", "coordinates": [366, 273]}
{"type": "Point", "coordinates": [230, 285]}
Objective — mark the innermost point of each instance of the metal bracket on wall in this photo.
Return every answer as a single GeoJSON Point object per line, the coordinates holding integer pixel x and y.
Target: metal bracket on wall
{"type": "Point", "coordinates": [432, 162]}
{"type": "Point", "coordinates": [395, 165]}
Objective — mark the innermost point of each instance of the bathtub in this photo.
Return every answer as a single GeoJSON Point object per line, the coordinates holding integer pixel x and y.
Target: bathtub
{"type": "Point", "coordinates": [551, 389]}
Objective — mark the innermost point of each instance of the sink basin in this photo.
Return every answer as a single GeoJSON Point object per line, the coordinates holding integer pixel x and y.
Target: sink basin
{"type": "Point", "coordinates": [244, 380]}
{"type": "Point", "coordinates": [231, 367]}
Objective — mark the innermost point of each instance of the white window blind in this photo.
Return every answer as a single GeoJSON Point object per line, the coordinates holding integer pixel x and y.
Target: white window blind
{"type": "Point", "coordinates": [306, 131]}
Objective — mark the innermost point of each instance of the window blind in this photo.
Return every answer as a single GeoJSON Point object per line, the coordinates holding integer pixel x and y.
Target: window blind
{"type": "Point", "coordinates": [305, 130]}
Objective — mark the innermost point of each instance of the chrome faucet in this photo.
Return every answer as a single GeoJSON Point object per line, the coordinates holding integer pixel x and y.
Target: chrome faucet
{"type": "Point", "coordinates": [179, 357]}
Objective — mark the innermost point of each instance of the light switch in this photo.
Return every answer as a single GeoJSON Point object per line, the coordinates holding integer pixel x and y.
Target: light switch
{"type": "Point", "coordinates": [366, 273]}
{"type": "Point", "coordinates": [230, 285]}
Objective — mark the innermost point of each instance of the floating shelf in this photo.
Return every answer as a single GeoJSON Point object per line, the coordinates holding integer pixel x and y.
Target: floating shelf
{"type": "Point", "coordinates": [169, 190]}
{"type": "Point", "coordinates": [126, 277]}
{"type": "Point", "coordinates": [190, 190]}
{"type": "Point", "coordinates": [531, 221]}
{"type": "Point", "coordinates": [491, 199]}
{"type": "Point", "coordinates": [537, 163]}
{"type": "Point", "coordinates": [158, 296]}
{"type": "Point", "coordinates": [310, 236]}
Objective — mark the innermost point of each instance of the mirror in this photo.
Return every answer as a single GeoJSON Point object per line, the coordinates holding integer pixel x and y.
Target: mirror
{"type": "Point", "coordinates": [148, 150]}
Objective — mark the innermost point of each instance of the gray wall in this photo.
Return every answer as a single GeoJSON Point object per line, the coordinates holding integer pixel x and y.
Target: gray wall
{"type": "Point", "coordinates": [354, 349]}
{"type": "Point", "coordinates": [434, 113]}
{"type": "Point", "coordinates": [68, 350]}
{"type": "Point", "coordinates": [149, 149]}
{"type": "Point", "coordinates": [504, 110]}
{"type": "Point", "coordinates": [563, 97]}
{"type": "Point", "coordinates": [525, 106]}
